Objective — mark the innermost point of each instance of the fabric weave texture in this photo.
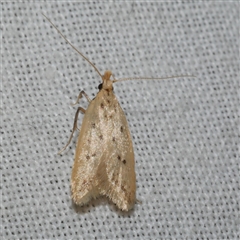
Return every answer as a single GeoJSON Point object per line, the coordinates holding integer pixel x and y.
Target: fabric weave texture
{"type": "Point", "coordinates": [185, 131]}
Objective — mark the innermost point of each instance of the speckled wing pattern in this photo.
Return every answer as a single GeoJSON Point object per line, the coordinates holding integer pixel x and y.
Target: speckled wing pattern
{"type": "Point", "coordinates": [104, 159]}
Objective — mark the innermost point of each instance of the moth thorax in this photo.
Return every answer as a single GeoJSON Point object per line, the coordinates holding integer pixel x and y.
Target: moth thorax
{"type": "Point", "coordinates": [107, 83]}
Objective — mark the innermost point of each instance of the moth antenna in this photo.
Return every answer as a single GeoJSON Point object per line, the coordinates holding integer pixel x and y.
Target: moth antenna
{"type": "Point", "coordinates": [148, 78]}
{"type": "Point", "coordinates": [72, 45]}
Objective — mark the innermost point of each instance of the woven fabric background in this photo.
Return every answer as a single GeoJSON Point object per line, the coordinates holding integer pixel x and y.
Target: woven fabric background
{"type": "Point", "coordinates": [185, 131]}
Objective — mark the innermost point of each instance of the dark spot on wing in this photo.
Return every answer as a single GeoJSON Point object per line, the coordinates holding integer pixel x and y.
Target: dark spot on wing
{"type": "Point", "coordinates": [93, 125]}
{"type": "Point", "coordinates": [124, 161]}
{"type": "Point", "coordinates": [119, 158]}
{"type": "Point", "coordinates": [121, 128]}
{"type": "Point", "coordinates": [94, 155]}
{"type": "Point", "coordinates": [101, 137]}
{"type": "Point", "coordinates": [115, 108]}
{"type": "Point", "coordinates": [102, 105]}
{"type": "Point", "coordinates": [113, 139]}
{"type": "Point", "coordinates": [87, 157]}
{"type": "Point", "coordinates": [123, 188]}
{"type": "Point", "coordinates": [108, 101]}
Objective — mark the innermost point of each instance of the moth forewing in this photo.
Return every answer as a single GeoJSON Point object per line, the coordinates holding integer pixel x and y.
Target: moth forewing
{"type": "Point", "coordinates": [104, 159]}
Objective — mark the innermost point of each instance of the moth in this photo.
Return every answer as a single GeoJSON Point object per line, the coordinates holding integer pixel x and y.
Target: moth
{"type": "Point", "coordinates": [104, 159]}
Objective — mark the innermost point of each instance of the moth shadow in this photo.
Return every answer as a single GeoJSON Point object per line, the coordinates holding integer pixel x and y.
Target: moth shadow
{"type": "Point", "coordinates": [101, 201]}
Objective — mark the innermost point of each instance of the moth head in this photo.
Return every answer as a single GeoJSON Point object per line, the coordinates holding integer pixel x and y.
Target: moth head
{"type": "Point", "coordinates": [107, 83]}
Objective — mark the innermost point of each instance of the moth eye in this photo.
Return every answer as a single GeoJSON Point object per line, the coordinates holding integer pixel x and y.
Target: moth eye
{"type": "Point", "coordinates": [100, 86]}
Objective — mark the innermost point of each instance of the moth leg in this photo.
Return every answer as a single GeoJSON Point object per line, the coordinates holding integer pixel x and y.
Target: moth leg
{"type": "Point", "coordinates": [138, 201]}
{"type": "Point", "coordinates": [81, 94]}
{"type": "Point", "coordinates": [74, 128]}
{"type": "Point", "coordinates": [113, 77]}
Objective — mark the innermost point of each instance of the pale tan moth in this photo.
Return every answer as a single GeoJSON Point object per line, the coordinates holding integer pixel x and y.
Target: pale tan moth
{"type": "Point", "coordinates": [104, 158]}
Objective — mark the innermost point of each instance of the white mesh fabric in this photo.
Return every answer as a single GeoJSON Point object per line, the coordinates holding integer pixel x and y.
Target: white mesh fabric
{"type": "Point", "coordinates": [185, 131]}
